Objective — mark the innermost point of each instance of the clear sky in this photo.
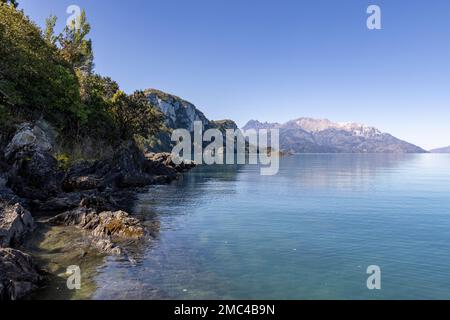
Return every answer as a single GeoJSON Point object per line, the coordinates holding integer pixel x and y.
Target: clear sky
{"type": "Point", "coordinates": [279, 60]}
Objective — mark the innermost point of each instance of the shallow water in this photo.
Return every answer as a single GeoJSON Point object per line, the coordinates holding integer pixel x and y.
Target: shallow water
{"type": "Point", "coordinates": [309, 232]}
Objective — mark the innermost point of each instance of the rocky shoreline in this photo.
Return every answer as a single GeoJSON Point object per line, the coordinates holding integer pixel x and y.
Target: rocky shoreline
{"type": "Point", "coordinates": [92, 196]}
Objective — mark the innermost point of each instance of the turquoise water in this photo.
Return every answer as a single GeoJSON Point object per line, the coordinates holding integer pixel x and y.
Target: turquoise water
{"type": "Point", "coordinates": [309, 232]}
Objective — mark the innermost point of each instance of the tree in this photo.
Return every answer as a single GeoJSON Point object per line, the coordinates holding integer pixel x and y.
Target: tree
{"type": "Point", "coordinates": [33, 76]}
{"type": "Point", "coordinates": [135, 115]}
{"type": "Point", "coordinates": [14, 3]}
{"type": "Point", "coordinates": [75, 48]}
{"type": "Point", "coordinates": [49, 33]}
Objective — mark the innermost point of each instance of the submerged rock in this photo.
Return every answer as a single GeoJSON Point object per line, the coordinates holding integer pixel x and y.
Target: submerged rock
{"type": "Point", "coordinates": [18, 274]}
{"type": "Point", "coordinates": [15, 223]}
{"type": "Point", "coordinates": [105, 227]}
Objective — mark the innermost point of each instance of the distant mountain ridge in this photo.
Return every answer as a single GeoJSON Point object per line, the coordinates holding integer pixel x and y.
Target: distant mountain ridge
{"type": "Point", "coordinates": [441, 150]}
{"type": "Point", "coordinates": [308, 135]}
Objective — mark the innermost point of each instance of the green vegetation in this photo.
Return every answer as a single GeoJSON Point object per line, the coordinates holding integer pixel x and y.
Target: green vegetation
{"type": "Point", "coordinates": [51, 76]}
{"type": "Point", "coordinates": [63, 161]}
{"type": "Point", "coordinates": [135, 116]}
{"type": "Point", "coordinates": [14, 3]}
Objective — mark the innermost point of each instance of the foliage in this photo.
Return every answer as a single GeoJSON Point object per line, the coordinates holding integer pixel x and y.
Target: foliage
{"type": "Point", "coordinates": [64, 162]}
{"type": "Point", "coordinates": [97, 93]}
{"type": "Point", "coordinates": [49, 33]}
{"type": "Point", "coordinates": [135, 115]}
{"type": "Point", "coordinates": [74, 47]}
{"type": "Point", "coordinates": [14, 3]}
{"type": "Point", "coordinates": [43, 74]}
{"type": "Point", "coordinates": [32, 75]}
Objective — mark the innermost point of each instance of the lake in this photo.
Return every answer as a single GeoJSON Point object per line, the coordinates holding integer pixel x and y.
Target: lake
{"type": "Point", "coordinates": [310, 232]}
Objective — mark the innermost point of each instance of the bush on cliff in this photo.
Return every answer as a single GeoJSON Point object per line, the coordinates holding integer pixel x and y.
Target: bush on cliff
{"type": "Point", "coordinates": [48, 75]}
{"type": "Point", "coordinates": [34, 79]}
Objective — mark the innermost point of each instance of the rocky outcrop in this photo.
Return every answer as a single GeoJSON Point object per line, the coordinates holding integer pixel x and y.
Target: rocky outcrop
{"type": "Point", "coordinates": [166, 160]}
{"type": "Point", "coordinates": [90, 196]}
{"type": "Point", "coordinates": [104, 227]}
{"type": "Point", "coordinates": [15, 223]}
{"type": "Point", "coordinates": [306, 135]}
{"type": "Point", "coordinates": [30, 137]}
{"type": "Point", "coordinates": [19, 275]}
{"type": "Point", "coordinates": [129, 168]}
{"type": "Point", "coordinates": [33, 172]}
{"type": "Point", "coordinates": [180, 114]}
{"type": "Point", "coordinates": [223, 125]}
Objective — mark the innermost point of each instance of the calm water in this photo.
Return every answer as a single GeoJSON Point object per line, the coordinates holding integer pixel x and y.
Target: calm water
{"type": "Point", "coordinates": [309, 232]}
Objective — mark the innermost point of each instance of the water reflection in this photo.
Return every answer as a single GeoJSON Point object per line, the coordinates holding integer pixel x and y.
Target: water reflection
{"type": "Point", "coordinates": [341, 171]}
{"type": "Point", "coordinates": [306, 233]}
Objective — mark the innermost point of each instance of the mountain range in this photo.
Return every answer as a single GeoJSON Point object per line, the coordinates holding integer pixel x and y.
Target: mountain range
{"type": "Point", "coordinates": [441, 150]}
{"type": "Point", "coordinates": [308, 135]}
{"type": "Point", "coordinates": [303, 135]}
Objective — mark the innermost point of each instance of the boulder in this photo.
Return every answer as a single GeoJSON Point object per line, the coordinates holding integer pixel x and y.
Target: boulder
{"type": "Point", "coordinates": [166, 160]}
{"type": "Point", "coordinates": [104, 227]}
{"type": "Point", "coordinates": [86, 175]}
{"type": "Point", "coordinates": [6, 194]}
{"type": "Point", "coordinates": [30, 138]}
{"type": "Point", "coordinates": [15, 223]}
{"type": "Point", "coordinates": [119, 224]}
{"type": "Point", "coordinates": [33, 171]}
{"type": "Point", "coordinates": [61, 203]}
{"type": "Point", "coordinates": [36, 176]}
{"type": "Point", "coordinates": [18, 274]}
{"type": "Point", "coordinates": [98, 203]}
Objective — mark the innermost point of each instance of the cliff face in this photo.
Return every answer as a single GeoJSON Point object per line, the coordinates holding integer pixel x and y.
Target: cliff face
{"type": "Point", "coordinates": [180, 114]}
{"type": "Point", "coordinates": [307, 135]}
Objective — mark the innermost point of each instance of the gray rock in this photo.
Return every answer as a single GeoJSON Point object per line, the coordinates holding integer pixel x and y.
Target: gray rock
{"type": "Point", "coordinates": [166, 159]}
{"type": "Point", "coordinates": [105, 227]}
{"type": "Point", "coordinates": [18, 274]}
{"type": "Point", "coordinates": [3, 181]}
{"type": "Point", "coordinates": [180, 114]}
{"type": "Point", "coordinates": [15, 223]}
{"type": "Point", "coordinates": [36, 176]}
{"type": "Point", "coordinates": [30, 137]}
{"type": "Point", "coordinates": [129, 168]}
{"type": "Point", "coordinates": [33, 171]}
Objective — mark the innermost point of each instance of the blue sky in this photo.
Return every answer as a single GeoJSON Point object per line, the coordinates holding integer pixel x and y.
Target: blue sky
{"type": "Point", "coordinates": [280, 60]}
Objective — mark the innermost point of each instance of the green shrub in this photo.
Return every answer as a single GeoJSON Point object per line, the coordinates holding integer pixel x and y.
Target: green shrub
{"type": "Point", "coordinates": [33, 75]}
{"type": "Point", "coordinates": [64, 161]}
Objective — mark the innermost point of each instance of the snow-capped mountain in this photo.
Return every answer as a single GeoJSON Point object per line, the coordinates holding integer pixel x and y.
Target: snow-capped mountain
{"type": "Point", "coordinates": [322, 135]}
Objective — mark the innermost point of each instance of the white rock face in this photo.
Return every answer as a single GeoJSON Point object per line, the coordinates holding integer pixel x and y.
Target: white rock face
{"type": "Point", "coordinates": [180, 114]}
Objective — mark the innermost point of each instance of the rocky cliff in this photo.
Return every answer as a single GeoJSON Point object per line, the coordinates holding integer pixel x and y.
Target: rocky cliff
{"type": "Point", "coordinates": [180, 114]}
{"type": "Point", "coordinates": [307, 135]}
